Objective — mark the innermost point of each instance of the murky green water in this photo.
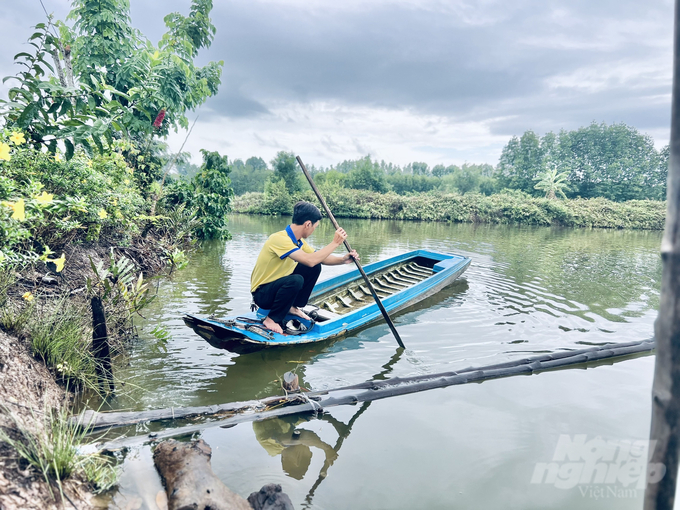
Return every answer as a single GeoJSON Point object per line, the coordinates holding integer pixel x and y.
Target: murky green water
{"type": "Point", "coordinates": [528, 290]}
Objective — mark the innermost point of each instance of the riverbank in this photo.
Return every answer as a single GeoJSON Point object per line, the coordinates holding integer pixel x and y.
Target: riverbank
{"type": "Point", "coordinates": [45, 359]}
{"type": "Point", "coordinates": [513, 208]}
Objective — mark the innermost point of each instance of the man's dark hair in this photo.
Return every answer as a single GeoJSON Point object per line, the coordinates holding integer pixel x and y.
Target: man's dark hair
{"type": "Point", "coordinates": [304, 211]}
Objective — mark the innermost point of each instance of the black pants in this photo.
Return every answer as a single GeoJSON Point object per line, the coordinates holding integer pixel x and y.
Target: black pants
{"type": "Point", "coordinates": [292, 290]}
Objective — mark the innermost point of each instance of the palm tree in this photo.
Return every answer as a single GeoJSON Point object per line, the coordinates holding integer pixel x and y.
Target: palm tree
{"type": "Point", "coordinates": [552, 183]}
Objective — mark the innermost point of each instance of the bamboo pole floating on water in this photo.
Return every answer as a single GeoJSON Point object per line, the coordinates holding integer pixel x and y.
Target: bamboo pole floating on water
{"type": "Point", "coordinates": [255, 410]}
{"type": "Point", "coordinates": [349, 249]}
{"type": "Point", "coordinates": [665, 427]}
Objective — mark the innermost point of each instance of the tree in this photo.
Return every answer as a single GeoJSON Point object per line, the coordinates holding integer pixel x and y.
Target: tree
{"type": "Point", "coordinates": [367, 175]}
{"type": "Point", "coordinates": [615, 162]}
{"type": "Point", "coordinates": [441, 170]}
{"type": "Point", "coordinates": [120, 85]}
{"type": "Point", "coordinates": [520, 161]}
{"type": "Point", "coordinates": [256, 163]}
{"type": "Point", "coordinates": [419, 168]}
{"type": "Point", "coordinates": [552, 183]}
{"type": "Point", "coordinates": [250, 176]}
{"type": "Point", "coordinates": [209, 193]}
{"type": "Point", "coordinates": [612, 161]}
{"type": "Point", "coordinates": [285, 167]}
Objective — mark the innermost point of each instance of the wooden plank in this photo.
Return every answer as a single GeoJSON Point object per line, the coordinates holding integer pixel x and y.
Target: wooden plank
{"type": "Point", "coordinates": [665, 426]}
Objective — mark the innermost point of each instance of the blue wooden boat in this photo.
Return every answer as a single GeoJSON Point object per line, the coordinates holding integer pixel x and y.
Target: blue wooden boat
{"type": "Point", "coordinates": [343, 303]}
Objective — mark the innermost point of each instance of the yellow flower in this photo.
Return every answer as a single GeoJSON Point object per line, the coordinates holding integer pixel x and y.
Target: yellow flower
{"type": "Point", "coordinates": [57, 157]}
{"type": "Point", "coordinates": [59, 262]}
{"type": "Point", "coordinates": [126, 181]}
{"type": "Point", "coordinates": [102, 213]}
{"type": "Point", "coordinates": [18, 208]}
{"type": "Point", "coordinates": [114, 201]}
{"type": "Point", "coordinates": [4, 151]}
{"type": "Point", "coordinates": [17, 138]}
{"type": "Point", "coordinates": [28, 296]}
{"type": "Point", "coordinates": [89, 163]}
{"type": "Point", "coordinates": [45, 198]}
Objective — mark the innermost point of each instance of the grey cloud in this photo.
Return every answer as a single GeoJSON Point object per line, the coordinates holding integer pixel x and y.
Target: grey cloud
{"type": "Point", "coordinates": [466, 60]}
{"type": "Point", "coordinates": [396, 57]}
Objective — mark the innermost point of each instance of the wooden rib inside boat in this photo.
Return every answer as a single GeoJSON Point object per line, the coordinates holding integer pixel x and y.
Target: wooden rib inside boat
{"type": "Point", "coordinates": [386, 283]}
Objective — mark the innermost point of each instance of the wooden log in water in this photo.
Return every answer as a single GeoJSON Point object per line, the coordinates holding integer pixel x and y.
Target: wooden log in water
{"type": "Point", "coordinates": [316, 402]}
{"type": "Point", "coordinates": [189, 479]}
{"type": "Point", "coordinates": [94, 420]}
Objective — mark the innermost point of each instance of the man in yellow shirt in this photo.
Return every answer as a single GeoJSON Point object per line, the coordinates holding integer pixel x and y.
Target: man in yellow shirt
{"type": "Point", "coordinates": [287, 268]}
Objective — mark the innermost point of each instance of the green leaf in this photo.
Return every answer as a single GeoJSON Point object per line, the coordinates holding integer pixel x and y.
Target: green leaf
{"type": "Point", "coordinates": [54, 106]}
{"type": "Point", "coordinates": [64, 107]}
{"type": "Point", "coordinates": [27, 116]}
{"type": "Point", "coordinates": [88, 148]}
{"type": "Point", "coordinates": [98, 143]}
{"type": "Point", "coordinates": [69, 149]}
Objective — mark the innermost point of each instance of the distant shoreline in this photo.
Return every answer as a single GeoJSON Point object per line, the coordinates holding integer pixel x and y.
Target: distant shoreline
{"type": "Point", "coordinates": [501, 208]}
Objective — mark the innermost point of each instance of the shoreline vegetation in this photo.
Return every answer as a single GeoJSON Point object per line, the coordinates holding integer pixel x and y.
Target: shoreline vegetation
{"type": "Point", "coordinates": [87, 218]}
{"type": "Point", "coordinates": [510, 208]}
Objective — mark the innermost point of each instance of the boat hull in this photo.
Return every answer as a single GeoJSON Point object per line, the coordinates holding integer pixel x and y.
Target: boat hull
{"type": "Point", "coordinates": [401, 282]}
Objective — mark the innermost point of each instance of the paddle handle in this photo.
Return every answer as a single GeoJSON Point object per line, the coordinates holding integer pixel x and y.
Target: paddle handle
{"type": "Point", "coordinates": [349, 248]}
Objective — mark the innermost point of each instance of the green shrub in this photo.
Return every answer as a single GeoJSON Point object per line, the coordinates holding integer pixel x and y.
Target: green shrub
{"type": "Point", "coordinates": [508, 207]}
{"type": "Point", "coordinates": [209, 193]}
{"type": "Point", "coordinates": [47, 202]}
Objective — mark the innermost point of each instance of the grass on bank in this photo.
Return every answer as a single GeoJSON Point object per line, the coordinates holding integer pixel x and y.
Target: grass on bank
{"type": "Point", "coordinates": [56, 450]}
{"type": "Point", "coordinates": [502, 208]}
{"type": "Point", "coordinates": [57, 332]}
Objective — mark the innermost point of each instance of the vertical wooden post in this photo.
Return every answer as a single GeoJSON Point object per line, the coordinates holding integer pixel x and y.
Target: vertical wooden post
{"type": "Point", "coordinates": [100, 345]}
{"type": "Point", "coordinates": [665, 430]}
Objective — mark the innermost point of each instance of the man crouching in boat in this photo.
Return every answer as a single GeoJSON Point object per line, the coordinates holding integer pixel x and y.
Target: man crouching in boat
{"type": "Point", "coordinates": [287, 268]}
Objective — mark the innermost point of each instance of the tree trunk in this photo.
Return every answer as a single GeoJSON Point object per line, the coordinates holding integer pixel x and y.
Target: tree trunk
{"type": "Point", "coordinates": [68, 66]}
{"type": "Point", "coordinates": [189, 480]}
{"type": "Point", "coordinates": [665, 431]}
{"type": "Point", "coordinates": [57, 67]}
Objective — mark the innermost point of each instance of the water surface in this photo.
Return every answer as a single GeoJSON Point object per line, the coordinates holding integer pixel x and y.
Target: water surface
{"type": "Point", "coordinates": [528, 290]}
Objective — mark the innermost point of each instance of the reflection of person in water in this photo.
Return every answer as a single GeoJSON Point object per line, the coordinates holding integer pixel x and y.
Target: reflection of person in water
{"type": "Point", "coordinates": [276, 437]}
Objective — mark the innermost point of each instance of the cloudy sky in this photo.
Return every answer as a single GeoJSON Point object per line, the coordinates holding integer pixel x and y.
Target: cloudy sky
{"type": "Point", "coordinates": [440, 81]}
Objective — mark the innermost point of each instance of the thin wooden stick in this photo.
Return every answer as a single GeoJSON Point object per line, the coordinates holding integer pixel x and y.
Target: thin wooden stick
{"type": "Point", "coordinates": [665, 428]}
{"type": "Point", "coordinates": [153, 207]}
{"type": "Point", "coordinates": [361, 269]}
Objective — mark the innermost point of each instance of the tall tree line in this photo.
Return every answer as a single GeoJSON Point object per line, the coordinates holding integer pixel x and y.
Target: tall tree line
{"type": "Point", "coordinates": [612, 161]}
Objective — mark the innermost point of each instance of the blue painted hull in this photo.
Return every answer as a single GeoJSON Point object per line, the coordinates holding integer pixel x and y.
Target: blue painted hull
{"type": "Point", "coordinates": [242, 333]}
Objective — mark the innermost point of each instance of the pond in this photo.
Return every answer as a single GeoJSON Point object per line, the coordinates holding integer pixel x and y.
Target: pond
{"type": "Point", "coordinates": [528, 290]}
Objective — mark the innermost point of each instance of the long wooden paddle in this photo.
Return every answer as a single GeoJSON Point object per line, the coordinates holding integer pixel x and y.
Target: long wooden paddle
{"type": "Point", "coordinates": [361, 269]}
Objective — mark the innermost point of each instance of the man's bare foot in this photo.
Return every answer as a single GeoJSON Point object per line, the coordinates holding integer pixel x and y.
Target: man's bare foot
{"type": "Point", "coordinates": [272, 326]}
{"type": "Point", "coordinates": [296, 311]}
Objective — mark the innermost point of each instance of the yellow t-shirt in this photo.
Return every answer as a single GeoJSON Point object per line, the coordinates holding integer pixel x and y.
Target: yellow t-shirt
{"type": "Point", "coordinates": [273, 262]}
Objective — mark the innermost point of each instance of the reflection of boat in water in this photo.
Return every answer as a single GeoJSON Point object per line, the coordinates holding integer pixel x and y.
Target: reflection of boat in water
{"type": "Point", "coordinates": [281, 436]}
{"type": "Point", "coordinates": [343, 303]}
